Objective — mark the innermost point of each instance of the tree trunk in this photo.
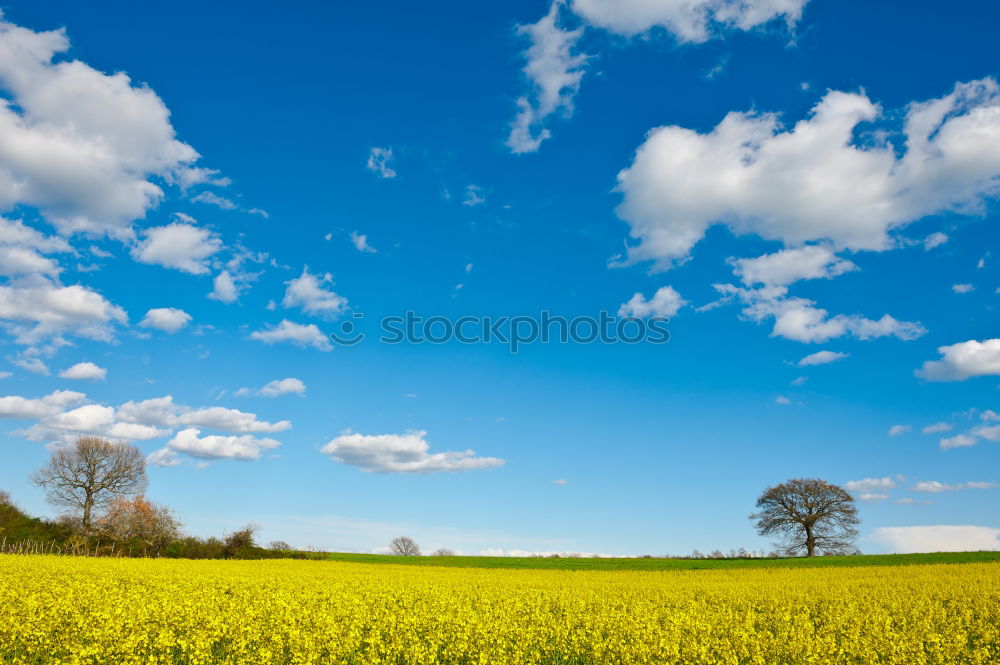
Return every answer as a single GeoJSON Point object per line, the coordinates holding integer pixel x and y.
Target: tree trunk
{"type": "Point", "coordinates": [810, 542]}
{"type": "Point", "coordinates": [88, 504]}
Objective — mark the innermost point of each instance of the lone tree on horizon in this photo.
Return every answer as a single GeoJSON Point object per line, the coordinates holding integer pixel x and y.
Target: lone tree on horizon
{"type": "Point", "coordinates": [404, 546]}
{"type": "Point", "coordinates": [90, 474]}
{"type": "Point", "coordinates": [808, 515]}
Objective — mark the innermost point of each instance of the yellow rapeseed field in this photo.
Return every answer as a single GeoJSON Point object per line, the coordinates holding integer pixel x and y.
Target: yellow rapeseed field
{"type": "Point", "coordinates": [123, 612]}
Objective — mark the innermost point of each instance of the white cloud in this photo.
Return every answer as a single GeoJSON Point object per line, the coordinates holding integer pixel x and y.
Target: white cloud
{"type": "Point", "coordinates": [800, 320]}
{"type": "Point", "coordinates": [686, 20]}
{"type": "Point", "coordinates": [15, 406]}
{"type": "Point", "coordinates": [84, 370]}
{"type": "Point", "coordinates": [791, 265]}
{"type": "Point", "coordinates": [360, 242]}
{"type": "Point", "coordinates": [149, 419]}
{"type": "Point", "coordinates": [665, 302]}
{"type": "Point", "coordinates": [870, 484]}
{"type": "Point", "coordinates": [378, 162]}
{"type": "Point", "coordinates": [276, 388]}
{"type": "Point", "coordinates": [963, 360]}
{"type": "Point", "coordinates": [897, 430]}
{"type": "Point", "coordinates": [307, 292]}
{"type": "Point", "coordinates": [873, 496]}
{"type": "Point", "coordinates": [555, 67]}
{"type": "Point", "coordinates": [990, 433]}
{"type": "Point", "coordinates": [214, 200]}
{"type": "Point", "coordinates": [80, 145]}
{"type": "Point", "coordinates": [37, 308]}
{"type": "Point", "coordinates": [812, 182]}
{"type": "Point", "coordinates": [554, 70]}
{"type": "Point", "coordinates": [781, 399]}
{"type": "Point", "coordinates": [179, 245]}
{"type": "Point", "coordinates": [167, 319]}
{"type": "Point", "coordinates": [31, 364]}
{"type": "Point", "coordinates": [963, 288]}
{"type": "Point", "coordinates": [906, 539]}
{"type": "Point", "coordinates": [821, 358]}
{"type": "Point", "coordinates": [473, 196]}
{"type": "Point", "coordinates": [214, 447]}
{"type": "Point", "coordinates": [283, 387]}
{"type": "Point", "coordinates": [401, 453]}
{"type": "Point", "coordinates": [958, 441]}
{"type": "Point", "coordinates": [228, 420]}
{"type": "Point", "coordinates": [560, 481]}
{"type": "Point", "coordinates": [224, 288]}
{"type": "Point", "coordinates": [935, 239]}
{"type": "Point", "coordinates": [936, 428]}
{"type": "Point", "coordinates": [296, 333]}
{"type": "Point", "coordinates": [935, 487]}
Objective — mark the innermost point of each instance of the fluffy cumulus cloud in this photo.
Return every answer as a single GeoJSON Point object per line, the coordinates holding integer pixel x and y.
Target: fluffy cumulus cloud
{"type": "Point", "coordinates": [212, 447]}
{"type": "Point", "coordinates": [21, 408]}
{"type": "Point", "coordinates": [964, 360]}
{"type": "Point", "coordinates": [907, 539]}
{"type": "Point", "coordinates": [791, 265]}
{"type": "Point", "coordinates": [84, 370]}
{"type": "Point", "coordinates": [167, 319]}
{"type": "Point", "coordinates": [224, 288]}
{"type": "Point", "coordinates": [554, 70]}
{"type": "Point", "coordinates": [665, 302]}
{"type": "Point", "coordinates": [82, 146]}
{"type": "Point", "coordinates": [305, 335]}
{"type": "Point", "coordinates": [62, 416]}
{"type": "Point", "coordinates": [801, 320]}
{"type": "Point", "coordinates": [307, 293]}
{"type": "Point", "coordinates": [280, 387]}
{"type": "Point", "coordinates": [686, 20]}
{"type": "Point", "coordinates": [23, 250]}
{"type": "Point", "coordinates": [180, 245]}
{"type": "Point", "coordinates": [35, 309]}
{"type": "Point", "coordinates": [812, 182]}
{"type": "Point", "coordinates": [401, 453]}
{"type": "Point", "coordinates": [821, 358]}
{"type": "Point", "coordinates": [957, 441]}
{"type": "Point", "coordinates": [871, 489]}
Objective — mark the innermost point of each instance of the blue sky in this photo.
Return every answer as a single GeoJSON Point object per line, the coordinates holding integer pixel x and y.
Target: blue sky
{"type": "Point", "coordinates": [193, 199]}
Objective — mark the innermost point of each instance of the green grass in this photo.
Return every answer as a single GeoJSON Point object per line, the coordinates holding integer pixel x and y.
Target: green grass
{"type": "Point", "coordinates": [666, 564]}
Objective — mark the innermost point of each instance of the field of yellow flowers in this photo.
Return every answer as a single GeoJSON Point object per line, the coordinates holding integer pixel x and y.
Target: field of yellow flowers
{"type": "Point", "coordinates": [144, 611]}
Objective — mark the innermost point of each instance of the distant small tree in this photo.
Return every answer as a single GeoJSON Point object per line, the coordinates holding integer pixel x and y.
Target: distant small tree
{"type": "Point", "coordinates": [279, 545]}
{"type": "Point", "coordinates": [5, 498]}
{"type": "Point", "coordinates": [404, 546]}
{"type": "Point", "coordinates": [808, 515]}
{"type": "Point", "coordinates": [443, 551]}
{"type": "Point", "coordinates": [90, 474]}
{"type": "Point", "coordinates": [240, 543]}
{"type": "Point", "coordinates": [140, 521]}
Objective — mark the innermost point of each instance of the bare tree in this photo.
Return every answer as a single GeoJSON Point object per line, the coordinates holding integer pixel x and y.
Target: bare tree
{"type": "Point", "coordinates": [404, 546]}
{"type": "Point", "coordinates": [443, 551]}
{"type": "Point", "coordinates": [140, 520]}
{"type": "Point", "coordinates": [91, 473]}
{"type": "Point", "coordinates": [808, 515]}
{"type": "Point", "coordinates": [279, 545]}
